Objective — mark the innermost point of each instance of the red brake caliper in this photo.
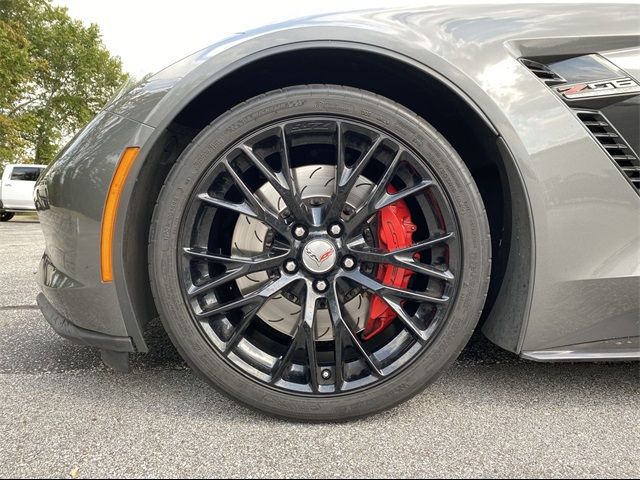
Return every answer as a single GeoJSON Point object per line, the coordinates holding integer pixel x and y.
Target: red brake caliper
{"type": "Point", "coordinates": [395, 230]}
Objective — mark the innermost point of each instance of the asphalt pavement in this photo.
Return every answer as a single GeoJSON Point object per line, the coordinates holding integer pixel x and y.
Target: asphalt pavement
{"type": "Point", "coordinates": [63, 414]}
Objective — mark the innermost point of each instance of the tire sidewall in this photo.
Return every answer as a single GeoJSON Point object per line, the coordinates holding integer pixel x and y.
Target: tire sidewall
{"type": "Point", "coordinates": [358, 105]}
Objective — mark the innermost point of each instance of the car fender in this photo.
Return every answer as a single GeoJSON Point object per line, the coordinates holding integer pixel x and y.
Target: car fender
{"type": "Point", "coordinates": [474, 52]}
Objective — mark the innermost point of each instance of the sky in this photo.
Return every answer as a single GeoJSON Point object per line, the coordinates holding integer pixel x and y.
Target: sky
{"type": "Point", "coordinates": [149, 35]}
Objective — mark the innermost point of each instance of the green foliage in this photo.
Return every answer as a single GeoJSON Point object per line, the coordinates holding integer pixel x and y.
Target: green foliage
{"type": "Point", "coordinates": [55, 74]}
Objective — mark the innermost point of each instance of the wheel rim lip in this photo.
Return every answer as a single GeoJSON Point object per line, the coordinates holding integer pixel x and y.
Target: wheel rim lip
{"type": "Point", "coordinates": [451, 289]}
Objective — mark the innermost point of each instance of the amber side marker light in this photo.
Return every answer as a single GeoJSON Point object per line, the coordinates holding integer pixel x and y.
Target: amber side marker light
{"type": "Point", "coordinates": [110, 210]}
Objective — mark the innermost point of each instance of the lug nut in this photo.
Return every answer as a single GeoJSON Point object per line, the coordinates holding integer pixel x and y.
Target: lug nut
{"type": "Point", "coordinates": [299, 232]}
{"type": "Point", "coordinates": [321, 286]}
{"type": "Point", "coordinates": [290, 266]}
{"type": "Point", "coordinates": [348, 263]}
{"type": "Point", "coordinates": [335, 230]}
{"type": "Point", "coordinates": [326, 374]}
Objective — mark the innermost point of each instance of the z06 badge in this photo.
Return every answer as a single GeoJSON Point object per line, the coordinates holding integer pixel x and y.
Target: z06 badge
{"type": "Point", "coordinates": [618, 86]}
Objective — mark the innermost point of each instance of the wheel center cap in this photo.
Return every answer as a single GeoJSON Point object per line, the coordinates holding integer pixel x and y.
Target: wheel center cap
{"type": "Point", "coordinates": [319, 256]}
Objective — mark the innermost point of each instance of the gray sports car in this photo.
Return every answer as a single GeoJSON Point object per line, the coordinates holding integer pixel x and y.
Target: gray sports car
{"type": "Point", "coordinates": [322, 212]}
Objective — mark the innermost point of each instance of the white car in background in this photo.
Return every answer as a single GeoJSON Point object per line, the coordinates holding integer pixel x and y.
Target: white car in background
{"type": "Point", "coordinates": [16, 189]}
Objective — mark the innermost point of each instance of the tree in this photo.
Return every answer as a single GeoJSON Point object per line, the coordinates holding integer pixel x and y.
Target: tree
{"type": "Point", "coordinates": [15, 69]}
{"type": "Point", "coordinates": [55, 74]}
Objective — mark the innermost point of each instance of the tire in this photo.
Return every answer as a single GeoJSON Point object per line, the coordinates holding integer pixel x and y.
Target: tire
{"type": "Point", "coordinates": [172, 220]}
{"type": "Point", "coordinates": [6, 216]}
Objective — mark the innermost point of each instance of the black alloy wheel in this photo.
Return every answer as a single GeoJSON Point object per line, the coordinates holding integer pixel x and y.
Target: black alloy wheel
{"type": "Point", "coordinates": [268, 253]}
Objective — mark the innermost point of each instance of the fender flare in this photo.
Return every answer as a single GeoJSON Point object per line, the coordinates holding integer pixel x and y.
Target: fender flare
{"type": "Point", "coordinates": [508, 319]}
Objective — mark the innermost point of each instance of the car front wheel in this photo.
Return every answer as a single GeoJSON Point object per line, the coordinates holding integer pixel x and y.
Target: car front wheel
{"type": "Point", "coordinates": [319, 253]}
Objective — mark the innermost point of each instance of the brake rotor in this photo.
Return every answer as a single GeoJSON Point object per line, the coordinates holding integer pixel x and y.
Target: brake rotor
{"type": "Point", "coordinates": [316, 183]}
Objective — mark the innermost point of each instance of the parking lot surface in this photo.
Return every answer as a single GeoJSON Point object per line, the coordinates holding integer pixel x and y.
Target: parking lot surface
{"type": "Point", "coordinates": [63, 414]}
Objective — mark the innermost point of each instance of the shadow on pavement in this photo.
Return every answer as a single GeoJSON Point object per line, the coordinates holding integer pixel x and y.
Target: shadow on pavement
{"type": "Point", "coordinates": [482, 374]}
{"type": "Point", "coordinates": [18, 219]}
{"type": "Point", "coordinates": [162, 352]}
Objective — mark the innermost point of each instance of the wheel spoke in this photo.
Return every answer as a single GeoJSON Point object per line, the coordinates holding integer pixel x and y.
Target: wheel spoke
{"type": "Point", "coordinates": [407, 320]}
{"type": "Point", "coordinates": [230, 306]}
{"type": "Point", "coordinates": [366, 210]}
{"type": "Point", "coordinates": [338, 344]}
{"type": "Point", "coordinates": [285, 159]}
{"type": "Point", "coordinates": [280, 246]}
{"type": "Point", "coordinates": [257, 297]}
{"type": "Point", "coordinates": [252, 205]}
{"type": "Point", "coordinates": [379, 197]}
{"type": "Point", "coordinates": [235, 267]}
{"type": "Point", "coordinates": [282, 182]}
{"type": "Point", "coordinates": [308, 325]}
{"type": "Point", "coordinates": [389, 198]}
{"type": "Point", "coordinates": [242, 208]}
{"type": "Point", "coordinates": [297, 343]}
{"type": "Point", "coordinates": [350, 175]}
{"type": "Point", "coordinates": [381, 186]}
{"type": "Point", "coordinates": [406, 262]}
{"type": "Point", "coordinates": [426, 244]}
{"type": "Point", "coordinates": [386, 291]}
{"type": "Point", "coordinates": [418, 267]}
{"type": "Point", "coordinates": [221, 279]}
{"type": "Point", "coordinates": [241, 328]}
{"type": "Point", "coordinates": [303, 339]}
{"type": "Point", "coordinates": [265, 214]}
{"type": "Point", "coordinates": [340, 155]}
{"type": "Point", "coordinates": [252, 264]}
{"type": "Point", "coordinates": [342, 337]}
{"type": "Point", "coordinates": [403, 257]}
{"type": "Point", "coordinates": [297, 208]}
{"type": "Point", "coordinates": [272, 178]}
{"type": "Point", "coordinates": [347, 177]}
{"type": "Point", "coordinates": [340, 325]}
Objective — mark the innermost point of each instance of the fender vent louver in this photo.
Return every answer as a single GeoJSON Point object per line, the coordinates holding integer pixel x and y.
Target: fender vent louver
{"type": "Point", "coordinates": [543, 72]}
{"type": "Point", "coordinates": [613, 143]}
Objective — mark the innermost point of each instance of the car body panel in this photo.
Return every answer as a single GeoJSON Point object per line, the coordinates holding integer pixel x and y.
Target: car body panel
{"type": "Point", "coordinates": [70, 206]}
{"type": "Point", "coordinates": [583, 282]}
{"type": "Point", "coordinates": [626, 59]}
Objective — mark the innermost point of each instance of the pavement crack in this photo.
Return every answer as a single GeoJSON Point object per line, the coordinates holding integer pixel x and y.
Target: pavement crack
{"type": "Point", "coordinates": [19, 307]}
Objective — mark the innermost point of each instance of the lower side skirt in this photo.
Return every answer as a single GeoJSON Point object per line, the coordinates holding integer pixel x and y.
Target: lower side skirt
{"type": "Point", "coordinates": [615, 350]}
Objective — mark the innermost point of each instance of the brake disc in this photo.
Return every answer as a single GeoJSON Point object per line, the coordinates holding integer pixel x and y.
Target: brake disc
{"type": "Point", "coordinates": [316, 184]}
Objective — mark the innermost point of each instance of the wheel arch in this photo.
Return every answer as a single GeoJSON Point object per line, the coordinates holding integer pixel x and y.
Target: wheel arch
{"type": "Point", "coordinates": [399, 78]}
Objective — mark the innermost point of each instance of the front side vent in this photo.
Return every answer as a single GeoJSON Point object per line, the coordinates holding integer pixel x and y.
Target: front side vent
{"type": "Point", "coordinates": [613, 143]}
{"type": "Point", "coordinates": [543, 72]}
